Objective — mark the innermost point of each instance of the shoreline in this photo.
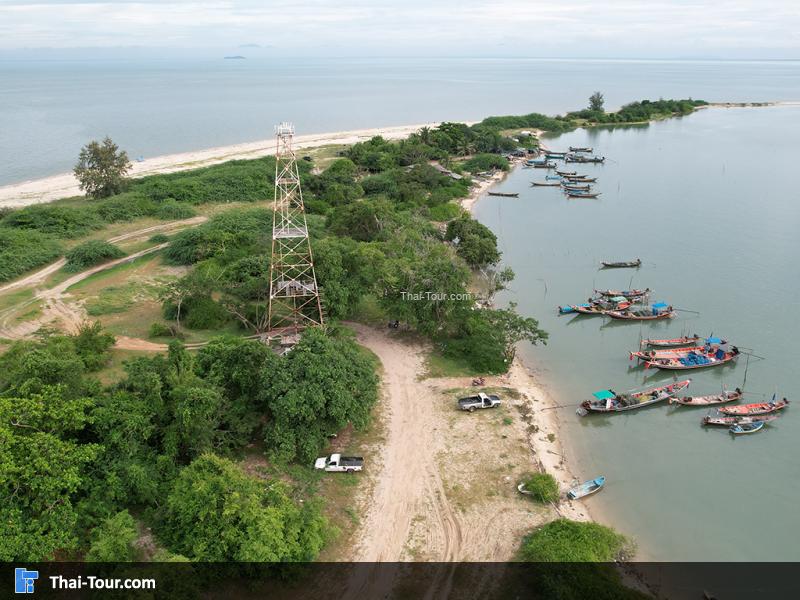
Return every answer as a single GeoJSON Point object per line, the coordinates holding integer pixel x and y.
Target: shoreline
{"type": "Point", "coordinates": [64, 185]}
{"type": "Point", "coordinates": [549, 457]}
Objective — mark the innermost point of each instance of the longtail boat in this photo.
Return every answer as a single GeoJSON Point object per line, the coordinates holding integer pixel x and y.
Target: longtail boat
{"type": "Point", "coordinates": [623, 264]}
{"type": "Point", "coordinates": [553, 177]}
{"type": "Point", "coordinates": [728, 421]}
{"type": "Point", "coordinates": [555, 155]}
{"type": "Point", "coordinates": [580, 149]}
{"type": "Point", "coordinates": [660, 310]}
{"type": "Point", "coordinates": [576, 179]}
{"type": "Point", "coordinates": [597, 306]}
{"type": "Point", "coordinates": [609, 401]}
{"type": "Point", "coordinates": [758, 408]}
{"type": "Point", "coordinates": [546, 165]}
{"type": "Point", "coordinates": [742, 428]}
{"type": "Point", "coordinates": [546, 183]}
{"type": "Point", "coordinates": [575, 188]}
{"type": "Point", "coordinates": [666, 353]}
{"type": "Point", "coordinates": [694, 360]}
{"type": "Point", "coordinates": [685, 340]}
{"type": "Point", "coordinates": [587, 488]}
{"type": "Point", "coordinates": [572, 158]}
{"type": "Point", "coordinates": [725, 396]}
{"type": "Point", "coordinates": [572, 194]}
{"type": "Point", "coordinates": [627, 293]}
{"type": "Point", "coordinates": [567, 173]}
{"type": "Point", "coordinates": [504, 194]}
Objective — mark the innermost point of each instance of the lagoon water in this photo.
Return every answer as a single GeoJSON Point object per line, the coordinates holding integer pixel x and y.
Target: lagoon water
{"type": "Point", "coordinates": [711, 205]}
{"type": "Point", "coordinates": [50, 108]}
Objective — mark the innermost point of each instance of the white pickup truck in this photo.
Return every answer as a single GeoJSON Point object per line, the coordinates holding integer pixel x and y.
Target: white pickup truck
{"type": "Point", "coordinates": [336, 463]}
{"type": "Point", "coordinates": [479, 400]}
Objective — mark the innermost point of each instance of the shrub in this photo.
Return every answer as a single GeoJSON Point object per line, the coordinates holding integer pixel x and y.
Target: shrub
{"type": "Point", "coordinates": [159, 238]}
{"type": "Point", "coordinates": [201, 312]}
{"type": "Point", "coordinates": [21, 251]}
{"type": "Point", "coordinates": [563, 540]}
{"type": "Point", "coordinates": [543, 486]}
{"type": "Point", "coordinates": [60, 221]}
{"type": "Point", "coordinates": [164, 330]}
{"type": "Point", "coordinates": [485, 162]}
{"type": "Point", "coordinates": [92, 345]}
{"type": "Point", "coordinates": [91, 253]}
{"type": "Point", "coordinates": [444, 212]}
{"type": "Point", "coordinates": [113, 540]}
{"type": "Point", "coordinates": [171, 209]}
{"type": "Point", "coordinates": [124, 207]}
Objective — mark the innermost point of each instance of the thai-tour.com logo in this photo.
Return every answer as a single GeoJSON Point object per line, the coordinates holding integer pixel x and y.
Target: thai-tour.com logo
{"type": "Point", "coordinates": [24, 580]}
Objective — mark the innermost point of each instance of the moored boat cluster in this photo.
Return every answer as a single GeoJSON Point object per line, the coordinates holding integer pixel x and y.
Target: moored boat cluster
{"type": "Point", "coordinates": [573, 184]}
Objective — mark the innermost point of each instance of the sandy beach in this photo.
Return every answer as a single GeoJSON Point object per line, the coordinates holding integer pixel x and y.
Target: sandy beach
{"type": "Point", "coordinates": [65, 185]}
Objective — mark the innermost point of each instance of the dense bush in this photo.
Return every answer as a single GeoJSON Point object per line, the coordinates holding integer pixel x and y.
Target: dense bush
{"type": "Point", "coordinates": [543, 487]}
{"type": "Point", "coordinates": [56, 219]}
{"type": "Point", "coordinates": [563, 540]}
{"type": "Point", "coordinates": [485, 162]}
{"type": "Point", "coordinates": [21, 251]}
{"type": "Point", "coordinates": [475, 242]}
{"type": "Point", "coordinates": [124, 207]}
{"type": "Point", "coordinates": [91, 253]}
{"type": "Point", "coordinates": [172, 209]}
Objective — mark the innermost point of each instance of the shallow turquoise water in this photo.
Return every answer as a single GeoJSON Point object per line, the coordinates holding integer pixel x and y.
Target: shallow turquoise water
{"type": "Point", "coordinates": [711, 204]}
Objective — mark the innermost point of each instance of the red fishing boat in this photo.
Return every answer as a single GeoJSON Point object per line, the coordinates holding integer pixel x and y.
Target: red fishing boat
{"type": "Point", "coordinates": [695, 360]}
{"type": "Point", "coordinates": [668, 353]}
{"type": "Point", "coordinates": [610, 401]}
{"type": "Point", "coordinates": [631, 294]}
{"type": "Point", "coordinates": [758, 408]}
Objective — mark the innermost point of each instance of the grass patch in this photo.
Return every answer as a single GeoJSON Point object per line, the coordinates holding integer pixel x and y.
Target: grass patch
{"type": "Point", "coordinates": [438, 365]}
{"type": "Point", "coordinates": [542, 486]}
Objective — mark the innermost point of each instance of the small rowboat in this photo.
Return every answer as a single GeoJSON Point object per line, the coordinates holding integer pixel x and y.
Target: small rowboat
{"type": "Point", "coordinates": [726, 396]}
{"type": "Point", "coordinates": [665, 353]}
{"type": "Point", "coordinates": [624, 264]}
{"type": "Point", "coordinates": [580, 149]}
{"type": "Point", "coordinates": [587, 488]}
{"type": "Point", "coordinates": [609, 401]}
{"type": "Point", "coordinates": [555, 155]}
{"type": "Point", "coordinates": [627, 293]}
{"type": "Point", "coordinates": [694, 360]}
{"type": "Point", "coordinates": [576, 188]}
{"type": "Point", "coordinates": [759, 408]}
{"type": "Point", "coordinates": [573, 179]}
{"type": "Point", "coordinates": [567, 173]}
{"type": "Point", "coordinates": [553, 177]}
{"type": "Point", "coordinates": [742, 428]}
{"type": "Point", "coordinates": [728, 421]}
{"type": "Point", "coordinates": [546, 183]}
{"type": "Point", "coordinates": [681, 341]}
{"type": "Point", "coordinates": [504, 194]}
{"type": "Point", "coordinates": [572, 194]}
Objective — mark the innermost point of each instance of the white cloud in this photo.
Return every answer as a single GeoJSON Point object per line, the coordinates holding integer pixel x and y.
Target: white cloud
{"type": "Point", "coordinates": [443, 27]}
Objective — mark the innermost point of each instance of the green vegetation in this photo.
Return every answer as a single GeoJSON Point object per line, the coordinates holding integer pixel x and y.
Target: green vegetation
{"type": "Point", "coordinates": [112, 540]}
{"type": "Point", "coordinates": [636, 112]}
{"type": "Point", "coordinates": [485, 162]}
{"type": "Point", "coordinates": [596, 102]}
{"type": "Point", "coordinates": [21, 251]}
{"type": "Point", "coordinates": [91, 253]}
{"type": "Point", "coordinates": [101, 168]}
{"type": "Point", "coordinates": [543, 486]}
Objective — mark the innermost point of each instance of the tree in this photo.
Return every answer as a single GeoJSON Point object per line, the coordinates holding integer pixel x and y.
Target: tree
{"type": "Point", "coordinates": [113, 540]}
{"type": "Point", "coordinates": [216, 512]}
{"type": "Point", "coordinates": [596, 101]}
{"type": "Point", "coordinates": [326, 384]}
{"type": "Point", "coordinates": [101, 168]}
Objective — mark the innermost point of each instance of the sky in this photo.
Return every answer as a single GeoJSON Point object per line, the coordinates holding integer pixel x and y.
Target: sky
{"type": "Point", "coordinates": [731, 29]}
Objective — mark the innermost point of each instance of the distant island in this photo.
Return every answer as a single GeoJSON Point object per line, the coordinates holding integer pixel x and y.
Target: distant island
{"type": "Point", "coordinates": [237, 57]}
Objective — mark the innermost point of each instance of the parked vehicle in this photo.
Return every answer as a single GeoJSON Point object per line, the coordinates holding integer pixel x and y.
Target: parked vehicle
{"type": "Point", "coordinates": [336, 463]}
{"type": "Point", "coordinates": [481, 400]}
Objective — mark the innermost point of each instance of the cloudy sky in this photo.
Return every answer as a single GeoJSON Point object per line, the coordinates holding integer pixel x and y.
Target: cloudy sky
{"type": "Point", "coordinates": [570, 28]}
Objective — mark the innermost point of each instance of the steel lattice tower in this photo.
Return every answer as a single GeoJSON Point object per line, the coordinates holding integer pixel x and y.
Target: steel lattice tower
{"type": "Point", "coordinates": [294, 301]}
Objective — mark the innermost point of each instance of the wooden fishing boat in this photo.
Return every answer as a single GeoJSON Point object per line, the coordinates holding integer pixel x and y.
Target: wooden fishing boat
{"type": "Point", "coordinates": [659, 310]}
{"type": "Point", "coordinates": [547, 165]}
{"type": "Point", "coordinates": [504, 194]}
{"type": "Point", "coordinates": [743, 428]}
{"type": "Point", "coordinates": [631, 294]}
{"type": "Point", "coordinates": [695, 361]}
{"type": "Point", "coordinates": [576, 158]}
{"type": "Point", "coordinates": [609, 401]}
{"type": "Point", "coordinates": [572, 194]}
{"type": "Point", "coordinates": [553, 177]}
{"type": "Point", "coordinates": [623, 264]}
{"type": "Point", "coordinates": [758, 408]}
{"type": "Point", "coordinates": [555, 155]}
{"type": "Point", "coordinates": [567, 173]}
{"type": "Point", "coordinates": [575, 179]}
{"type": "Point", "coordinates": [546, 183]}
{"type": "Point", "coordinates": [575, 188]}
{"type": "Point", "coordinates": [667, 343]}
{"type": "Point", "coordinates": [580, 149]}
{"type": "Point", "coordinates": [726, 396]}
{"type": "Point", "coordinates": [587, 488]}
{"type": "Point", "coordinates": [665, 353]}
{"type": "Point", "coordinates": [597, 306]}
{"type": "Point", "coordinates": [727, 421]}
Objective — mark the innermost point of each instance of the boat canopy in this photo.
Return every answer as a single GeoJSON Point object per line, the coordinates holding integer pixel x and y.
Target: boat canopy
{"type": "Point", "coordinates": [604, 394]}
{"type": "Point", "coordinates": [660, 305]}
{"type": "Point", "coordinates": [619, 299]}
{"type": "Point", "coordinates": [714, 340]}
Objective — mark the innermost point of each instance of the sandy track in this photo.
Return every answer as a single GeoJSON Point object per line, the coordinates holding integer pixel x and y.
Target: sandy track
{"type": "Point", "coordinates": [65, 184]}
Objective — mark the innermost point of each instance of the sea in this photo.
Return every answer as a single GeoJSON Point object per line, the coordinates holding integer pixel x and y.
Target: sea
{"type": "Point", "coordinates": [163, 105]}
{"type": "Point", "coordinates": [709, 202]}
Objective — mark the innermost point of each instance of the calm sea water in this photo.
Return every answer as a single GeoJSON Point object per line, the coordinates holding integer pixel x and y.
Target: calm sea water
{"type": "Point", "coordinates": [49, 109]}
{"type": "Point", "coordinates": [711, 205]}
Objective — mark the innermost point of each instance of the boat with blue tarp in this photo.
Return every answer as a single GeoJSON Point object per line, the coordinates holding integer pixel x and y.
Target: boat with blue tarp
{"type": "Point", "coordinates": [587, 488]}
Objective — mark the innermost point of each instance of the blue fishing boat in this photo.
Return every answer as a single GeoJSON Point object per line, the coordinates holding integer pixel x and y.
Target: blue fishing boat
{"type": "Point", "coordinates": [571, 308]}
{"type": "Point", "coordinates": [587, 488]}
{"type": "Point", "coordinates": [742, 428]}
{"type": "Point", "coordinates": [554, 177]}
